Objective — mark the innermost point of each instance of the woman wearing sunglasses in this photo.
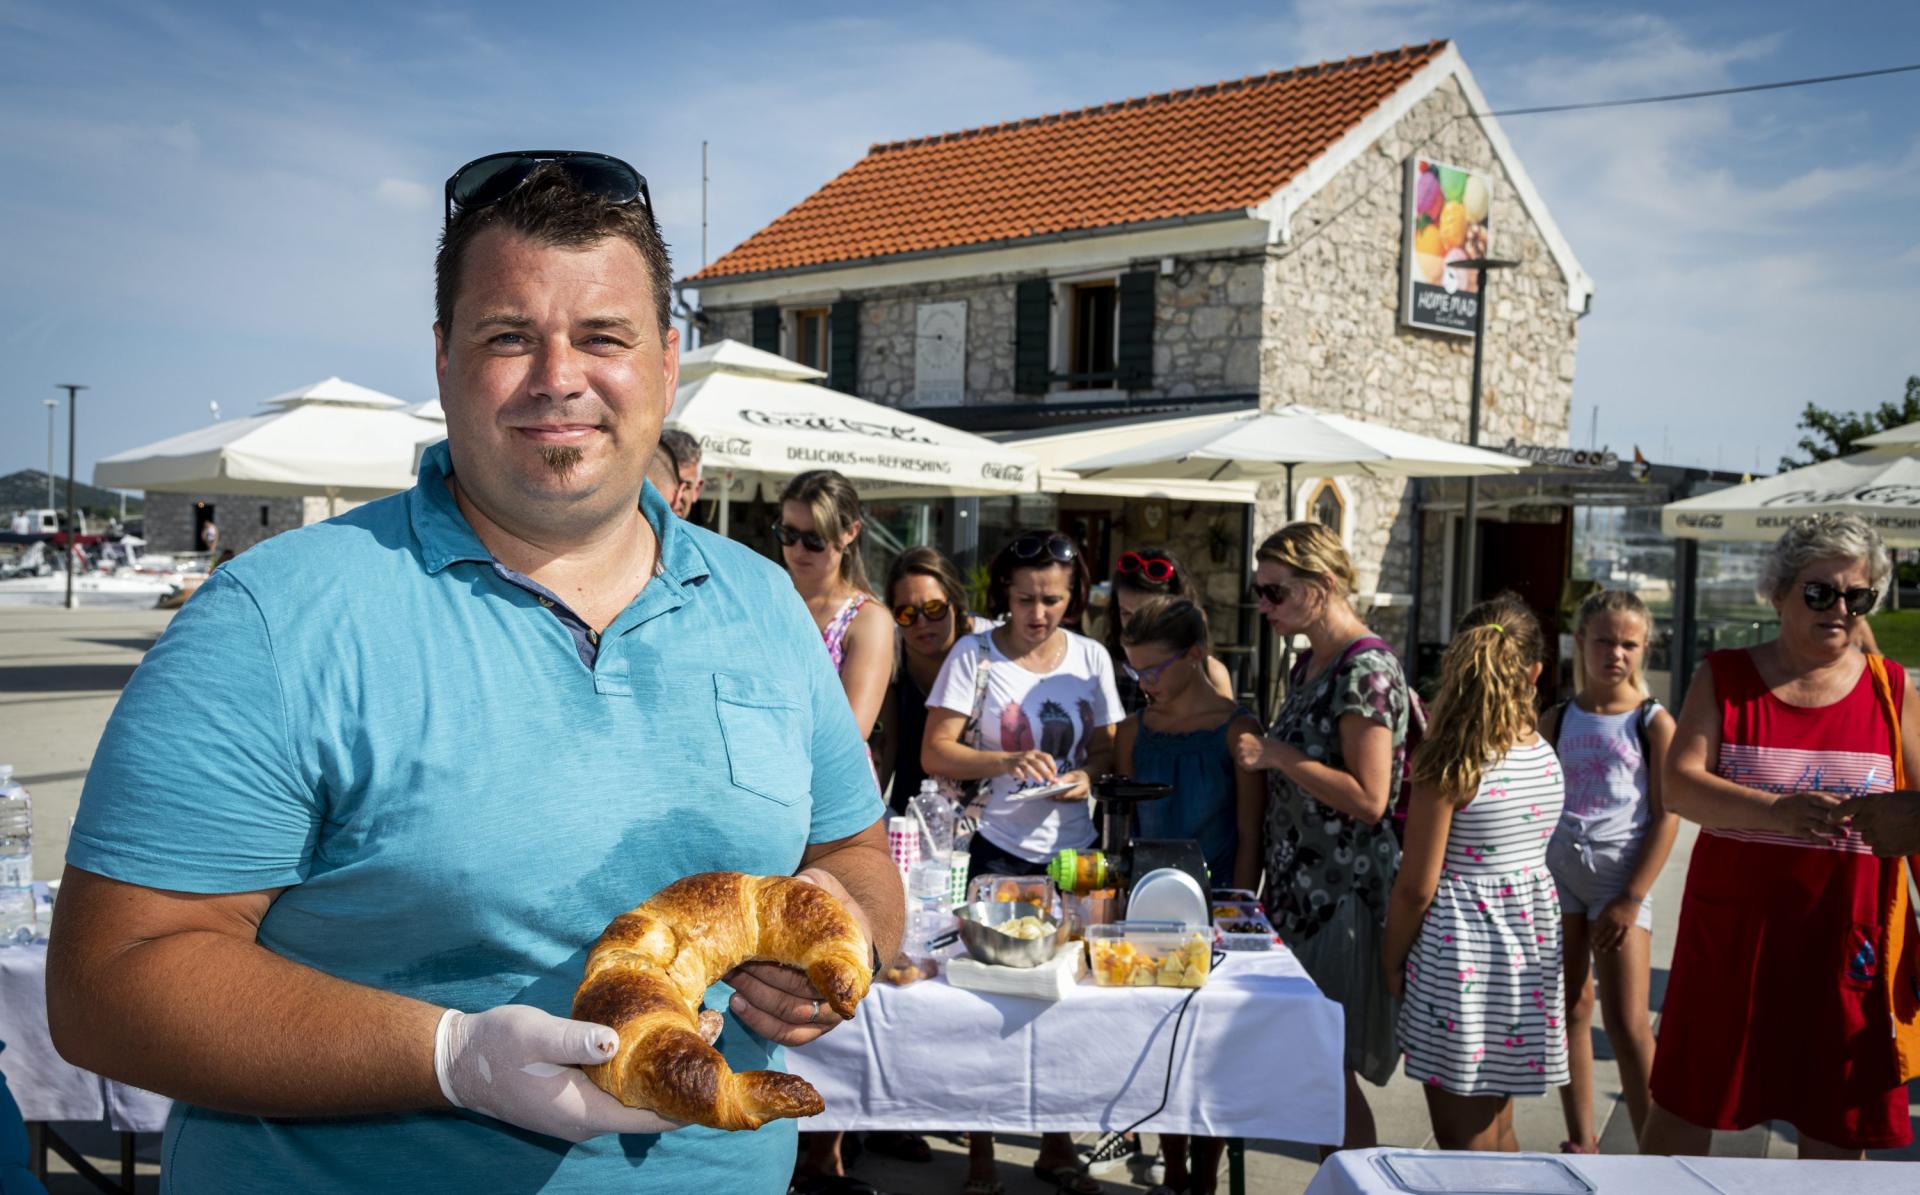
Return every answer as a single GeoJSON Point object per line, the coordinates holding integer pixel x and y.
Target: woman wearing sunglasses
{"type": "Point", "coordinates": [1783, 995]}
{"type": "Point", "coordinates": [819, 538]}
{"type": "Point", "coordinates": [1333, 758]}
{"type": "Point", "coordinates": [1138, 576]}
{"type": "Point", "coordinates": [929, 604]}
{"type": "Point", "coordinates": [1048, 708]}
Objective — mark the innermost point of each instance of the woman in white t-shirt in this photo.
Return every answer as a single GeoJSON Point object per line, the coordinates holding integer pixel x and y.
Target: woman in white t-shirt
{"type": "Point", "coordinates": [1048, 709]}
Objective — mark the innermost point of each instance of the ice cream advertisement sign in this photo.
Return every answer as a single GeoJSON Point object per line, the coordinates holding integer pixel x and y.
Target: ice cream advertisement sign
{"type": "Point", "coordinates": [1446, 223]}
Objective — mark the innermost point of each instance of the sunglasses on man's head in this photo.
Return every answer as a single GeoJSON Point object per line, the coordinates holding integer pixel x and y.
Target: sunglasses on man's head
{"type": "Point", "coordinates": [1157, 569]}
{"type": "Point", "coordinates": [486, 181]}
{"type": "Point", "coordinates": [1034, 544]}
{"type": "Point", "coordinates": [907, 615]}
{"type": "Point", "coordinates": [1818, 595]}
{"type": "Point", "coordinates": [789, 536]}
{"type": "Point", "coordinates": [1273, 595]}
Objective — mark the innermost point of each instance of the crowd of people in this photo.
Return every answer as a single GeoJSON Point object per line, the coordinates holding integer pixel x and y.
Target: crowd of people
{"type": "Point", "coordinates": [348, 952]}
{"type": "Point", "coordinates": [1462, 875]}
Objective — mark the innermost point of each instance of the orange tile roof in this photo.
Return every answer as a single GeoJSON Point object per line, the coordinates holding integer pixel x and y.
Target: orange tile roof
{"type": "Point", "coordinates": [1181, 153]}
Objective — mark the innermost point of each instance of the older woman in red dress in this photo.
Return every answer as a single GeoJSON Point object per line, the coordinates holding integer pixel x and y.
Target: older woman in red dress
{"type": "Point", "coordinates": [1780, 1006]}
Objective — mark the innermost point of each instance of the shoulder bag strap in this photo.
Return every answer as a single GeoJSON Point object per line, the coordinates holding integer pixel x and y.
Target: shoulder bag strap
{"type": "Point", "coordinates": [1898, 970]}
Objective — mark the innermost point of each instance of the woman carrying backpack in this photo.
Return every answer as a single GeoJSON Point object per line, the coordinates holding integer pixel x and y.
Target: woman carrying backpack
{"type": "Point", "coordinates": [1611, 842]}
{"type": "Point", "coordinates": [1334, 758]}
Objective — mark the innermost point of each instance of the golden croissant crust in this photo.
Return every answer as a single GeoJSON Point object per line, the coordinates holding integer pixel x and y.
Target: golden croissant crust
{"type": "Point", "coordinates": [650, 970]}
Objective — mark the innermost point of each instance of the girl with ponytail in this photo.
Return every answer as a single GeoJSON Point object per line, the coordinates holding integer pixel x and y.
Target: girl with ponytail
{"type": "Point", "coordinates": [1473, 928]}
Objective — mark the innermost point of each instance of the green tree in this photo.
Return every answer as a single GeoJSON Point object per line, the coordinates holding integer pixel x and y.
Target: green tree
{"type": "Point", "coordinates": [1833, 433]}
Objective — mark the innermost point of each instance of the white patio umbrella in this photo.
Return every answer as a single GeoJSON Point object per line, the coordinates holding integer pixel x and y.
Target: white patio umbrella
{"type": "Point", "coordinates": [1057, 450]}
{"type": "Point", "coordinates": [332, 438]}
{"type": "Point", "coordinates": [1277, 444]}
{"type": "Point", "coordinates": [1906, 435]}
{"type": "Point", "coordinates": [1882, 486]}
{"type": "Point", "coordinates": [756, 419]}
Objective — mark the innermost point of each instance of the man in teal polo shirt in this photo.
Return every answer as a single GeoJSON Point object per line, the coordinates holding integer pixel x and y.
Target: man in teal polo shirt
{"type": "Point", "coordinates": [361, 812]}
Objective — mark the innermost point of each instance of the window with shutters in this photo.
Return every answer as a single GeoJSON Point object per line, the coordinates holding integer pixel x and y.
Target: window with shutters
{"type": "Point", "coordinates": [1092, 334]}
{"type": "Point", "coordinates": [810, 337]}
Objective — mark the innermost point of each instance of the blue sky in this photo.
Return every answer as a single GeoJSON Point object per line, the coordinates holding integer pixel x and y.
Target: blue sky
{"type": "Point", "coordinates": [211, 202]}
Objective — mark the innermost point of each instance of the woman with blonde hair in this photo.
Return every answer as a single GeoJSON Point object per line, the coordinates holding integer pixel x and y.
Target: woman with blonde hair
{"type": "Point", "coordinates": [819, 537]}
{"type": "Point", "coordinates": [1333, 760]}
{"type": "Point", "coordinates": [1473, 938]}
{"type": "Point", "coordinates": [1607, 851]}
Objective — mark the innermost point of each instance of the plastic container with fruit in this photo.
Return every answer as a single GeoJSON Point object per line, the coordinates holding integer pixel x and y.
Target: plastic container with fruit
{"type": "Point", "coordinates": [1026, 890]}
{"type": "Point", "coordinates": [1140, 954]}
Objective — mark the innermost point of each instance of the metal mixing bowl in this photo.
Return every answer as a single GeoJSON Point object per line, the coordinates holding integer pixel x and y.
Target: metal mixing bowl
{"type": "Point", "coordinates": [991, 946]}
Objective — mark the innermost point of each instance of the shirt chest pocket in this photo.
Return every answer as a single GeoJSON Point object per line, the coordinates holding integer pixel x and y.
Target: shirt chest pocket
{"type": "Point", "coordinates": [768, 731]}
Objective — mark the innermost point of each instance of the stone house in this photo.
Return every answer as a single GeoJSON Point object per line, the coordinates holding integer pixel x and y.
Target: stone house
{"type": "Point", "coordinates": [1221, 246]}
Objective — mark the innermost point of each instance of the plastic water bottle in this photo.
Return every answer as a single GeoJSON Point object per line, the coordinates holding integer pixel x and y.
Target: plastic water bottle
{"type": "Point", "coordinates": [928, 914]}
{"type": "Point", "coordinates": [17, 925]}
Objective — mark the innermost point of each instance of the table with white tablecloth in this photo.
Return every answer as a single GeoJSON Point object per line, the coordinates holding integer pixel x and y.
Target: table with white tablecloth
{"type": "Point", "coordinates": [46, 1086]}
{"type": "Point", "coordinates": [1259, 1054]}
{"type": "Point", "coordinates": [1398, 1171]}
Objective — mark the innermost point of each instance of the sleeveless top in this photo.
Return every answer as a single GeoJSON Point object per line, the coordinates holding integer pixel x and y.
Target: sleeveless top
{"type": "Point", "coordinates": [1205, 796]}
{"type": "Point", "coordinates": [835, 632]}
{"type": "Point", "coordinates": [910, 727]}
{"type": "Point", "coordinates": [1606, 774]}
{"type": "Point", "coordinates": [1775, 1009]}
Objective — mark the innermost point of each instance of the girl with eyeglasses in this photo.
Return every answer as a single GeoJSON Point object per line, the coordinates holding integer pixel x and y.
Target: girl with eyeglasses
{"type": "Point", "coordinates": [1184, 735]}
{"type": "Point", "coordinates": [929, 605]}
{"type": "Point", "coordinates": [1138, 576]}
{"type": "Point", "coordinates": [1333, 759]}
{"type": "Point", "coordinates": [1047, 708]}
{"type": "Point", "coordinates": [1795, 983]}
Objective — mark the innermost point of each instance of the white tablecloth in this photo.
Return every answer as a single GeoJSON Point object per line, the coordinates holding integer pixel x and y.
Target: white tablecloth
{"type": "Point", "coordinates": [1259, 1055]}
{"type": "Point", "coordinates": [46, 1086]}
{"type": "Point", "coordinates": [1359, 1172]}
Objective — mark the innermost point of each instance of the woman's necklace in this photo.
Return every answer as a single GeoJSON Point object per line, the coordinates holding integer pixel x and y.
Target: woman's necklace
{"type": "Point", "coordinates": [1034, 659]}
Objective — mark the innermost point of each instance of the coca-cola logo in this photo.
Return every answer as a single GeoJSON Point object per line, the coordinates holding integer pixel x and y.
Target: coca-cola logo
{"type": "Point", "coordinates": [795, 421]}
{"type": "Point", "coordinates": [1866, 495]}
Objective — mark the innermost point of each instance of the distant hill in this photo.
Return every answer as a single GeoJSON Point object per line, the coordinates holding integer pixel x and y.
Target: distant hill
{"type": "Point", "coordinates": [27, 490]}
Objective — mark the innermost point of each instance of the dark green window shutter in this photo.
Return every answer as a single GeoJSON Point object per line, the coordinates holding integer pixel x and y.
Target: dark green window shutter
{"type": "Point", "coordinates": [843, 339]}
{"type": "Point", "coordinates": [1032, 328]}
{"type": "Point", "coordinates": [766, 329]}
{"type": "Point", "coordinates": [1135, 360]}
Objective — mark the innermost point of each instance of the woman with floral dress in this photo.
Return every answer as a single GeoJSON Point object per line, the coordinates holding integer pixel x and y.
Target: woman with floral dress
{"type": "Point", "coordinates": [1333, 758]}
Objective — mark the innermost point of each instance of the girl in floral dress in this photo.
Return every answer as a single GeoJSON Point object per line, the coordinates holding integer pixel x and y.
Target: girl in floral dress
{"type": "Point", "coordinates": [1473, 929]}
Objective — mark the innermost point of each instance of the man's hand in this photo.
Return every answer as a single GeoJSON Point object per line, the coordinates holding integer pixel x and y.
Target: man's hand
{"type": "Point", "coordinates": [1813, 816]}
{"type": "Point", "coordinates": [1890, 822]}
{"type": "Point", "coordinates": [521, 1065]}
{"type": "Point", "coordinates": [1609, 929]}
{"type": "Point", "coordinates": [780, 1003]}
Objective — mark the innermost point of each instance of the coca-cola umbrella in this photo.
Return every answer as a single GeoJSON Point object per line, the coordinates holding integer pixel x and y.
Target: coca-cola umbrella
{"type": "Point", "coordinates": [1882, 486]}
{"type": "Point", "coordinates": [760, 420]}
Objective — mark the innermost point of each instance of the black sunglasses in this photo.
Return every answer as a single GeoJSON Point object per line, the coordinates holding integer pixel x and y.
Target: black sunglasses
{"type": "Point", "coordinates": [789, 536]}
{"type": "Point", "coordinates": [1818, 595]}
{"type": "Point", "coordinates": [1034, 543]}
{"type": "Point", "coordinates": [908, 614]}
{"type": "Point", "coordinates": [1275, 595]}
{"type": "Point", "coordinates": [486, 181]}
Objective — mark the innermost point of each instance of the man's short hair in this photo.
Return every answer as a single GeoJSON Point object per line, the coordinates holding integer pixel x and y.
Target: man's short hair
{"type": "Point", "coordinates": [682, 445]}
{"type": "Point", "coordinates": [663, 470]}
{"type": "Point", "coordinates": [549, 209]}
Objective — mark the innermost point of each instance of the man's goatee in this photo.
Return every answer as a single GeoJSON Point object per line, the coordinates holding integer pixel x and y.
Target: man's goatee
{"type": "Point", "coordinates": [561, 459]}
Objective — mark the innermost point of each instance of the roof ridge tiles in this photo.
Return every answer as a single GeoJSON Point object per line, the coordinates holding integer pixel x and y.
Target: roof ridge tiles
{"type": "Point", "coordinates": [1172, 96]}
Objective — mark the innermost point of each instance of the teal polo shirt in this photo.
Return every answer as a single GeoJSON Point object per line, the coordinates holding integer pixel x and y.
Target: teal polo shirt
{"type": "Point", "coordinates": [367, 714]}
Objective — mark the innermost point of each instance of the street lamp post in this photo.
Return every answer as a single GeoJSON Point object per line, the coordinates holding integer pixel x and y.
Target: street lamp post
{"type": "Point", "coordinates": [1469, 532]}
{"type": "Point", "coordinates": [73, 519]}
{"type": "Point", "coordinates": [53, 404]}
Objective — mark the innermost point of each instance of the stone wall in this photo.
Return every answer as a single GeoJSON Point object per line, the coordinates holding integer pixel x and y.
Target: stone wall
{"type": "Point", "coordinates": [1207, 331]}
{"type": "Point", "coordinates": [170, 518]}
{"type": "Point", "coordinates": [1332, 337]}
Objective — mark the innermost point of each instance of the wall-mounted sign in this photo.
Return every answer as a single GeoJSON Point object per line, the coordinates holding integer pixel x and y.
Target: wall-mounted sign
{"type": "Point", "coordinates": [1598, 460]}
{"type": "Point", "coordinates": [1446, 223]}
{"type": "Point", "coordinates": [940, 354]}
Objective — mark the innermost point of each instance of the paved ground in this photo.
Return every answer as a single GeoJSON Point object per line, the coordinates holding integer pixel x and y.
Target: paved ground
{"type": "Point", "coordinates": [61, 671]}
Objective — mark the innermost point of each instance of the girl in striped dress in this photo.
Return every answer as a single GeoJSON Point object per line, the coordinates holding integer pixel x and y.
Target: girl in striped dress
{"type": "Point", "coordinates": [1472, 943]}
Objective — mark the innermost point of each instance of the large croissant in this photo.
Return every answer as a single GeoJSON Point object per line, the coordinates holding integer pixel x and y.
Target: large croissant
{"type": "Point", "coordinates": [649, 971]}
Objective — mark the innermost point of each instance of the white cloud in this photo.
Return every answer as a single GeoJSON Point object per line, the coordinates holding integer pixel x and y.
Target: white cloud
{"type": "Point", "coordinates": [404, 193]}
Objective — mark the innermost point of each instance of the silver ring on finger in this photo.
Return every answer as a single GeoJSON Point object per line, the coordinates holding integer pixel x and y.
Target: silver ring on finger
{"type": "Point", "coordinates": [815, 1018]}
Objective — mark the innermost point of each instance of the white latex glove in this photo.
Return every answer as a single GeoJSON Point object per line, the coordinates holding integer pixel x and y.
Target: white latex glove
{"type": "Point", "coordinates": [519, 1064]}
